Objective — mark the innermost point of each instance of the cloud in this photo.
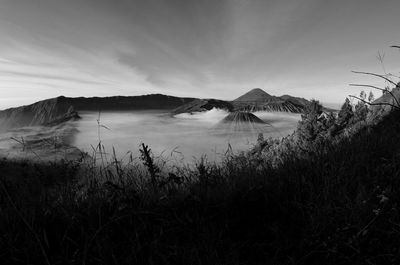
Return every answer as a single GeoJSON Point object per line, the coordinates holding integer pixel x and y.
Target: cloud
{"type": "Point", "coordinates": [202, 48]}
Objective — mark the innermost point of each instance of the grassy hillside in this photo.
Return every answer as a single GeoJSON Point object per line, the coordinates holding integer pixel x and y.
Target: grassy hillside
{"type": "Point", "coordinates": [328, 200]}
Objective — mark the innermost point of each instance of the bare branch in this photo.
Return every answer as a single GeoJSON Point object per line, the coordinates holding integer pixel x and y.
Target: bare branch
{"type": "Point", "coordinates": [395, 46]}
{"type": "Point", "coordinates": [377, 75]}
{"type": "Point", "coordinates": [375, 104]}
{"type": "Point", "coordinates": [381, 58]}
{"type": "Point", "coordinates": [382, 89]}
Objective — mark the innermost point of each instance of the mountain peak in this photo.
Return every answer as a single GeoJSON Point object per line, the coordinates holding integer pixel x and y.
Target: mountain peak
{"type": "Point", "coordinates": [255, 95]}
{"type": "Point", "coordinates": [257, 90]}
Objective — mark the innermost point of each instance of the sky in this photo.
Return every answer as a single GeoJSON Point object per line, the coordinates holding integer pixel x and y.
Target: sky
{"type": "Point", "coordinates": [194, 48]}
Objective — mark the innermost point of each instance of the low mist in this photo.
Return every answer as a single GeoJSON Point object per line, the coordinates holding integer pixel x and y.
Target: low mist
{"type": "Point", "coordinates": [182, 137]}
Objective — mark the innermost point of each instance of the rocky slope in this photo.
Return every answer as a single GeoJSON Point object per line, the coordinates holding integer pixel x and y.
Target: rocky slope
{"type": "Point", "coordinates": [57, 110]}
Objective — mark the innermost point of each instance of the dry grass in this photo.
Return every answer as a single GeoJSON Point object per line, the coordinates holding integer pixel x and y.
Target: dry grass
{"type": "Point", "coordinates": [337, 205]}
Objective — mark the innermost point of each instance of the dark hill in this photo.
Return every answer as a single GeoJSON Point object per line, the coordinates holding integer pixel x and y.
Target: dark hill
{"type": "Point", "coordinates": [145, 102]}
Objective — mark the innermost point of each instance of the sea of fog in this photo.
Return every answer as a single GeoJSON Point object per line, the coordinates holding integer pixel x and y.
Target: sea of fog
{"type": "Point", "coordinates": [183, 137]}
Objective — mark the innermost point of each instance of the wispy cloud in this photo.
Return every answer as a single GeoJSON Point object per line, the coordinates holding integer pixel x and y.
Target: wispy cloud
{"type": "Point", "coordinates": [48, 76]}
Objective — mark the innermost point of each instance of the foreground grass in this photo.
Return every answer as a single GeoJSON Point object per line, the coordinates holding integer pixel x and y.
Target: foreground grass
{"type": "Point", "coordinates": [337, 205]}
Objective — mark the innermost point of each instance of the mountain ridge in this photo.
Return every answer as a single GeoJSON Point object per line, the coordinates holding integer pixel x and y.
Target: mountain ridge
{"type": "Point", "coordinates": [252, 101]}
{"type": "Point", "coordinates": [259, 100]}
{"type": "Point", "coordinates": [61, 109]}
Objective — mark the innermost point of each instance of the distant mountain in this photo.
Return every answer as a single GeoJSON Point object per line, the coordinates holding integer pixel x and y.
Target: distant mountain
{"type": "Point", "coordinates": [254, 100]}
{"type": "Point", "coordinates": [61, 109]}
{"type": "Point", "coordinates": [200, 105]}
{"type": "Point", "coordinates": [259, 100]}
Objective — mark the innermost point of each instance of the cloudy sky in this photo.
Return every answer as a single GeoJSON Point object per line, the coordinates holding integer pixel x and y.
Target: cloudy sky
{"type": "Point", "coordinates": [200, 48]}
